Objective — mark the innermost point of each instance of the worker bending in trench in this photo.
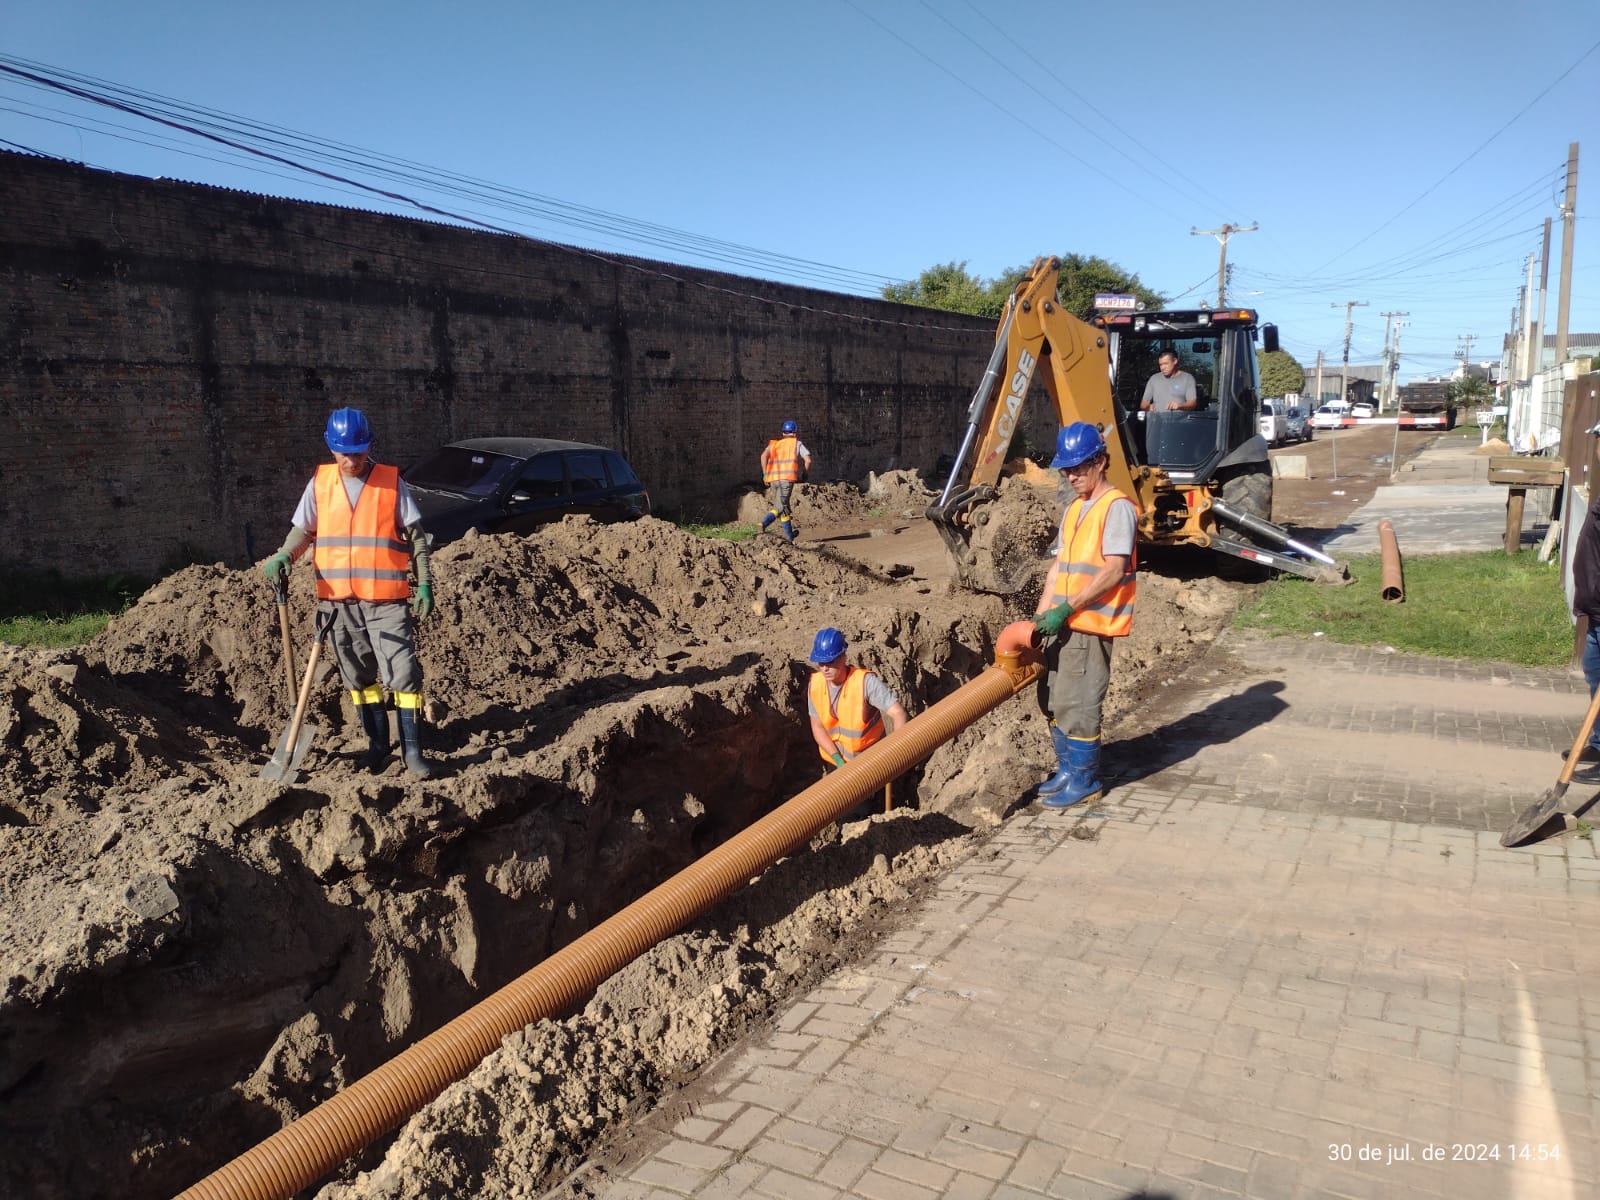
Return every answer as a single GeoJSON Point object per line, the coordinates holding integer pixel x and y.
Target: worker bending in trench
{"type": "Point", "coordinates": [848, 705]}
{"type": "Point", "coordinates": [1088, 593]}
{"type": "Point", "coordinates": [366, 530]}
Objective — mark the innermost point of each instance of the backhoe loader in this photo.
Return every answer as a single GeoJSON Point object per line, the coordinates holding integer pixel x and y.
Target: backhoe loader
{"type": "Point", "coordinates": [1198, 478]}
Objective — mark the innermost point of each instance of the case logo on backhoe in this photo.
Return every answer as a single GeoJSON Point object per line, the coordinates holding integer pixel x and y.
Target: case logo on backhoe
{"type": "Point", "coordinates": [1020, 378]}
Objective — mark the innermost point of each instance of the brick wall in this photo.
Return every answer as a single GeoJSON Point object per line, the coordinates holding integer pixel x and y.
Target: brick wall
{"type": "Point", "coordinates": [169, 354]}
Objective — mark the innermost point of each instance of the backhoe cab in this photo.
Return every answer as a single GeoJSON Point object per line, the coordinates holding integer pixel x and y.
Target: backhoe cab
{"type": "Point", "coordinates": [1199, 477]}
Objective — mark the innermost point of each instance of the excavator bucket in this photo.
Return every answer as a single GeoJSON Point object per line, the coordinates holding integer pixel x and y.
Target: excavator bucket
{"type": "Point", "coordinates": [999, 539]}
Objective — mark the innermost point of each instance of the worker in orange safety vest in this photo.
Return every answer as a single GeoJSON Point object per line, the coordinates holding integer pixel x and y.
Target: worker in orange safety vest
{"type": "Point", "coordinates": [784, 463]}
{"type": "Point", "coordinates": [1088, 593]}
{"type": "Point", "coordinates": [850, 707]}
{"type": "Point", "coordinates": [366, 531]}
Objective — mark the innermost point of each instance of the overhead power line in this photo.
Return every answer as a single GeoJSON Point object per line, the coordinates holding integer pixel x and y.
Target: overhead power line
{"type": "Point", "coordinates": [1474, 154]}
{"type": "Point", "coordinates": [300, 152]}
{"type": "Point", "coordinates": [992, 102]}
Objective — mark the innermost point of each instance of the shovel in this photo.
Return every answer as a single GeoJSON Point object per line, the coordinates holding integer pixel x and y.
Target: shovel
{"type": "Point", "coordinates": [280, 593]}
{"type": "Point", "coordinates": [283, 766]}
{"type": "Point", "coordinates": [1538, 814]}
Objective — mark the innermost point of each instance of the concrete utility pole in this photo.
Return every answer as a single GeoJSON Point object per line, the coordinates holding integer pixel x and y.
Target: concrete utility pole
{"type": "Point", "coordinates": [1386, 392]}
{"type": "Point", "coordinates": [1569, 219]}
{"type": "Point", "coordinates": [1222, 235]}
{"type": "Point", "coordinates": [1464, 348]}
{"type": "Point", "coordinates": [1394, 454]}
{"type": "Point", "coordinates": [1536, 327]}
{"type": "Point", "coordinates": [1318, 404]}
{"type": "Point", "coordinates": [1530, 353]}
{"type": "Point", "coordinates": [1349, 307]}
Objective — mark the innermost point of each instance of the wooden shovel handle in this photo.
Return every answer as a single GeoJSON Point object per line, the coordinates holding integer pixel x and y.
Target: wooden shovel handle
{"type": "Point", "coordinates": [305, 695]}
{"type": "Point", "coordinates": [1583, 740]}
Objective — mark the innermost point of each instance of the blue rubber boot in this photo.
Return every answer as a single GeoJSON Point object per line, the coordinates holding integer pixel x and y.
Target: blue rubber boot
{"type": "Point", "coordinates": [411, 735]}
{"type": "Point", "coordinates": [1063, 775]}
{"type": "Point", "coordinates": [375, 722]}
{"type": "Point", "coordinates": [788, 528]}
{"type": "Point", "coordinates": [1083, 759]}
{"type": "Point", "coordinates": [768, 520]}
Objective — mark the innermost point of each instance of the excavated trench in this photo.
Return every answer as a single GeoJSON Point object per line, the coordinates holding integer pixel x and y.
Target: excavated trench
{"type": "Point", "coordinates": [191, 956]}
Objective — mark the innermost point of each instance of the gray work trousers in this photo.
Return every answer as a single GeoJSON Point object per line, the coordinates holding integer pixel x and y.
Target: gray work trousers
{"type": "Point", "coordinates": [1073, 688]}
{"type": "Point", "coordinates": [779, 493]}
{"type": "Point", "coordinates": [373, 642]}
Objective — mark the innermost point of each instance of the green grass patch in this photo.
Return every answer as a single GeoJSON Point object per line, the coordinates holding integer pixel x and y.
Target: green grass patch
{"type": "Point", "coordinates": [1492, 607]}
{"type": "Point", "coordinates": [731, 531]}
{"type": "Point", "coordinates": [41, 608]}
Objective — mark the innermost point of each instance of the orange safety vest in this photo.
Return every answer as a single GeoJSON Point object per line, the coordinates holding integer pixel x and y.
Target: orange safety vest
{"type": "Point", "coordinates": [783, 460]}
{"type": "Point", "coordinates": [851, 722]}
{"type": "Point", "coordinates": [360, 554]}
{"type": "Point", "coordinates": [1080, 560]}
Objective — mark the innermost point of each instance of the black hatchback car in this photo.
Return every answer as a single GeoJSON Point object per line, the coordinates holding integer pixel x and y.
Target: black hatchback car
{"type": "Point", "coordinates": [514, 485]}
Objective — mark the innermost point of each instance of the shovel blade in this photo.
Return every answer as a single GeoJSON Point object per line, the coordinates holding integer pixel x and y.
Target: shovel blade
{"type": "Point", "coordinates": [1535, 817]}
{"type": "Point", "coordinates": [285, 762]}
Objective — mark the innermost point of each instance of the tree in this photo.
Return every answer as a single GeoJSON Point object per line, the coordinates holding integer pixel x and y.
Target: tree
{"type": "Point", "coordinates": [1281, 373]}
{"type": "Point", "coordinates": [1471, 391]}
{"type": "Point", "coordinates": [951, 286]}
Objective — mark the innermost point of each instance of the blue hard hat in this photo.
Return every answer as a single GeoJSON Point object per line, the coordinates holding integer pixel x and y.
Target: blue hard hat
{"type": "Point", "coordinates": [790, 427]}
{"type": "Point", "coordinates": [830, 644]}
{"type": "Point", "coordinates": [1077, 444]}
{"type": "Point", "coordinates": [348, 432]}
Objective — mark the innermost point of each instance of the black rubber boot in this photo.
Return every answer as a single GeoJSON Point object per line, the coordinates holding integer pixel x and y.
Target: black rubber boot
{"type": "Point", "coordinates": [411, 743]}
{"type": "Point", "coordinates": [375, 720]}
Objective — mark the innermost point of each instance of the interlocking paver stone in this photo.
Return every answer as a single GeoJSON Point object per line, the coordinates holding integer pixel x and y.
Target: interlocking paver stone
{"type": "Point", "coordinates": [1284, 963]}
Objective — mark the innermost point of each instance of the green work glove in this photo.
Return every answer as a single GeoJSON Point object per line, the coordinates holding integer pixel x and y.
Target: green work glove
{"type": "Point", "coordinates": [422, 602]}
{"type": "Point", "coordinates": [838, 759]}
{"type": "Point", "coordinates": [1050, 621]}
{"type": "Point", "coordinates": [277, 567]}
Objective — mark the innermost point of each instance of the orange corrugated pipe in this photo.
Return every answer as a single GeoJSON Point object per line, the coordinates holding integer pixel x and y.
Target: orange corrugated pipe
{"type": "Point", "coordinates": [1393, 580]}
{"type": "Point", "coordinates": [309, 1147]}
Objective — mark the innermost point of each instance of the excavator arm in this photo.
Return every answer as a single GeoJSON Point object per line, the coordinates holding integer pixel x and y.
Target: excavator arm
{"type": "Point", "coordinates": [1035, 334]}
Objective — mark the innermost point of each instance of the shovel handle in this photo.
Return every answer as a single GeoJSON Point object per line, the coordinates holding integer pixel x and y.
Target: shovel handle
{"type": "Point", "coordinates": [288, 643]}
{"type": "Point", "coordinates": [305, 694]}
{"type": "Point", "coordinates": [1582, 740]}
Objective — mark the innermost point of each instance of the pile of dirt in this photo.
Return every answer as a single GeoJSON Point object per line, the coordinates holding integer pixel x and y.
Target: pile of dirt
{"type": "Point", "coordinates": [901, 492]}
{"type": "Point", "coordinates": [1494, 446]}
{"type": "Point", "coordinates": [605, 704]}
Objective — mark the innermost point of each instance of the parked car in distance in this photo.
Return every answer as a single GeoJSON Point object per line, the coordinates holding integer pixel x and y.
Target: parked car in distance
{"type": "Point", "coordinates": [1327, 417]}
{"type": "Point", "coordinates": [1299, 422]}
{"type": "Point", "coordinates": [514, 485]}
{"type": "Point", "coordinates": [1362, 410]}
{"type": "Point", "coordinates": [1274, 426]}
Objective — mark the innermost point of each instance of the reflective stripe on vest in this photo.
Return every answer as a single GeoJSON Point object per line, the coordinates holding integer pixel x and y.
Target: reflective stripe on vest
{"type": "Point", "coordinates": [359, 553]}
{"type": "Point", "coordinates": [783, 460]}
{"type": "Point", "coordinates": [1080, 559]}
{"type": "Point", "coordinates": [846, 720]}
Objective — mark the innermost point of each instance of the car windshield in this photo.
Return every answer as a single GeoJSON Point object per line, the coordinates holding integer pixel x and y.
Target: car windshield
{"type": "Point", "coordinates": [461, 471]}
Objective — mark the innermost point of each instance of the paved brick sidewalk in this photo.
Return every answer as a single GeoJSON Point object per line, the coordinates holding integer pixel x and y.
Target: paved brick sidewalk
{"type": "Point", "coordinates": [1207, 989]}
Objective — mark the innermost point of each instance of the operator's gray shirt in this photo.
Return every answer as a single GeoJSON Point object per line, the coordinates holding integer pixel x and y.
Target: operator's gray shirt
{"type": "Point", "coordinates": [1161, 391]}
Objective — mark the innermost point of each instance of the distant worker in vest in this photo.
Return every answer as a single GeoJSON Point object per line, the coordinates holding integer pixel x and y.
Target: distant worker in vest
{"type": "Point", "coordinates": [1169, 389]}
{"type": "Point", "coordinates": [784, 463]}
{"type": "Point", "coordinates": [1087, 604]}
{"type": "Point", "coordinates": [849, 706]}
{"type": "Point", "coordinates": [364, 527]}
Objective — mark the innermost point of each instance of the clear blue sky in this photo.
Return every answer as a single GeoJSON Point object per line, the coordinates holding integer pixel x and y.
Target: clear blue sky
{"type": "Point", "coordinates": [1370, 141]}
